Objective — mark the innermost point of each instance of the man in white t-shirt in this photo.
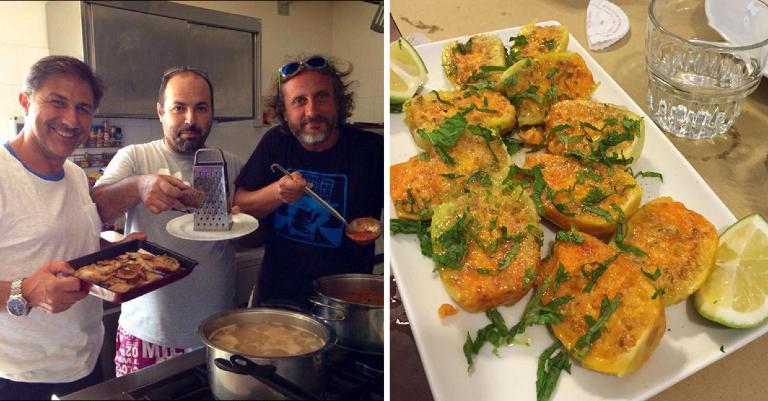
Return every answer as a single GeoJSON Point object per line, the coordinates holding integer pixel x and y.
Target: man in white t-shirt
{"type": "Point", "coordinates": [50, 332]}
{"type": "Point", "coordinates": [146, 182]}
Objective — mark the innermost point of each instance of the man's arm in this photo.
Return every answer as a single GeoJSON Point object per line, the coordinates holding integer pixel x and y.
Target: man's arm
{"type": "Point", "coordinates": [261, 202]}
{"type": "Point", "coordinates": [51, 288]}
{"type": "Point", "coordinates": [158, 193]}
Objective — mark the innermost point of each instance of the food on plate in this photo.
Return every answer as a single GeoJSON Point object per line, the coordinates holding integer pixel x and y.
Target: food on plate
{"type": "Point", "coordinates": [407, 71]}
{"type": "Point", "coordinates": [128, 271]}
{"type": "Point", "coordinates": [535, 84]}
{"type": "Point", "coordinates": [602, 131]}
{"type": "Point", "coordinates": [266, 339]}
{"type": "Point", "coordinates": [432, 110]}
{"type": "Point", "coordinates": [446, 310]}
{"type": "Point", "coordinates": [428, 179]}
{"type": "Point", "coordinates": [192, 197]}
{"type": "Point", "coordinates": [481, 58]}
{"type": "Point", "coordinates": [736, 292]}
{"type": "Point", "coordinates": [590, 196]}
{"type": "Point", "coordinates": [486, 245]}
{"type": "Point", "coordinates": [613, 323]}
{"type": "Point", "coordinates": [679, 242]}
{"type": "Point", "coordinates": [533, 40]}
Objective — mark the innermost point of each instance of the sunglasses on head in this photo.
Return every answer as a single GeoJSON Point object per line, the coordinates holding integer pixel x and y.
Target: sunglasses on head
{"type": "Point", "coordinates": [313, 63]}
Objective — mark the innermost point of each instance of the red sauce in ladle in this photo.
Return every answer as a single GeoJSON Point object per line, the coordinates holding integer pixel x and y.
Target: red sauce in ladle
{"type": "Point", "coordinates": [363, 230]}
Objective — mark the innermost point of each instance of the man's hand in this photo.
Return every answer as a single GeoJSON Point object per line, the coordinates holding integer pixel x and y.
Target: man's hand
{"type": "Point", "coordinates": [291, 188]}
{"type": "Point", "coordinates": [52, 287]}
{"type": "Point", "coordinates": [161, 192]}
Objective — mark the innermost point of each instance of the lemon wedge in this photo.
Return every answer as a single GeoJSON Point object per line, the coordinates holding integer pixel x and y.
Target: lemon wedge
{"type": "Point", "coordinates": [736, 292]}
{"type": "Point", "coordinates": [407, 71]}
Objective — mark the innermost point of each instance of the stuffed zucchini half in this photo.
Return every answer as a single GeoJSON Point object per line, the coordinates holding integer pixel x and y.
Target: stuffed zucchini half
{"type": "Point", "coordinates": [487, 246]}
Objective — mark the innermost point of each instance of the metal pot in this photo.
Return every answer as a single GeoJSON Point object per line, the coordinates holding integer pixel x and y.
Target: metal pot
{"type": "Point", "coordinates": [308, 371]}
{"type": "Point", "coordinates": [340, 300]}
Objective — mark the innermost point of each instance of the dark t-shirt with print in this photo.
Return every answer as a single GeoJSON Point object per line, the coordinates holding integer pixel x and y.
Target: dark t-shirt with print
{"type": "Point", "coordinates": [304, 241]}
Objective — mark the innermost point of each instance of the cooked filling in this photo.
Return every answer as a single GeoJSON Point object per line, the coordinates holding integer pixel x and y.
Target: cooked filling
{"type": "Point", "coordinates": [128, 271]}
{"type": "Point", "coordinates": [266, 339]}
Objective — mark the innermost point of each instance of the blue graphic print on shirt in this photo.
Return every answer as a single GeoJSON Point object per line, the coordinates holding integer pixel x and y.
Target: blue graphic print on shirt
{"type": "Point", "coordinates": [306, 221]}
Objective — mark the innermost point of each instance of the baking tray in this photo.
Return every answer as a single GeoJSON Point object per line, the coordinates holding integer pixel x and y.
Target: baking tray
{"type": "Point", "coordinates": [185, 267]}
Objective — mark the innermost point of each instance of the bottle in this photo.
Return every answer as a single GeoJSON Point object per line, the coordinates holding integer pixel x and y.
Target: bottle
{"type": "Point", "coordinates": [117, 137]}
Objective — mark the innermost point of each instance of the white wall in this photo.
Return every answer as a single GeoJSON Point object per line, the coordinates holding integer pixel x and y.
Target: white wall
{"type": "Point", "coordinates": [23, 40]}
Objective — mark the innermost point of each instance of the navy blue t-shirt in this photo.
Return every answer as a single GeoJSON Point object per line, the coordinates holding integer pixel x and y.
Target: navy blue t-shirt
{"type": "Point", "coordinates": [304, 241]}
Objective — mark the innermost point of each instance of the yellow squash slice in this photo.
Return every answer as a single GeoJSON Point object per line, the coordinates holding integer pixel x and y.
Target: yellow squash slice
{"type": "Point", "coordinates": [595, 129]}
{"type": "Point", "coordinates": [534, 84]}
{"type": "Point", "coordinates": [676, 240]}
{"type": "Point", "coordinates": [487, 108]}
{"type": "Point", "coordinates": [481, 58]}
{"type": "Point", "coordinates": [582, 195]}
{"type": "Point", "coordinates": [533, 40]}
{"type": "Point", "coordinates": [488, 247]}
{"type": "Point", "coordinates": [635, 319]}
{"type": "Point", "coordinates": [426, 180]}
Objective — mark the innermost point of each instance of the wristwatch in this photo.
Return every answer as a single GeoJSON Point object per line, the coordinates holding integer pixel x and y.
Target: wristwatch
{"type": "Point", "coordinates": [17, 305]}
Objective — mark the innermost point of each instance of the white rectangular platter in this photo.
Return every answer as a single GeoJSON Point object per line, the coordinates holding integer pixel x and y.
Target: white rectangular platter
{"type": "Point", "coordinates": [690, 343]}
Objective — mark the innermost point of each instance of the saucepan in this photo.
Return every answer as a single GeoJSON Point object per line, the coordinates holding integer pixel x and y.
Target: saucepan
{"type": "Point", "coordinates": [236, 375]}
{"type": "Point", "coordinates": [353, 305]}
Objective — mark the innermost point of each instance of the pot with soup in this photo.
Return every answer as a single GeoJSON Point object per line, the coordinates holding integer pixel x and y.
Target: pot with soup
{"type": "Point", "coordinates": [353, 305]}
{"type": "Point", "coordinates": [296, 344]}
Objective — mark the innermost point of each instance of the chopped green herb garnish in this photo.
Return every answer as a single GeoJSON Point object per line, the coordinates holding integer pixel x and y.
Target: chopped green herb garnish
{"type": "Point", "coordinates": [552, 72]}
{"type": "Point", "coordinates": [454, 242]}
{"type": "Point", "coordinates": [655, 276]}
{"type": "Point", "coordinates": [658, 292]}
{"type": "Point", "coordinates": [651, 174]}
{"type": "Point", "coordinates": [445, 135]}
{"type": "Point", "coordinates": [549, 368]}
{"type": "Point", "coordinates": [584, 343]}
{"type": "Point", "coordinates": [396, 108]}
{"type": "Point", "coordinates": [621, 233]}
{"type": "Point", "coordinates": [549, 43]}
{"type": "Point", "coordinates": [437, 95]}
{"type": "Point", "coordinates": [571, 236]}
{"type": "Point", "coordinates": [480, 177]}
{"type": "Point", "coordinates": [594, 274]}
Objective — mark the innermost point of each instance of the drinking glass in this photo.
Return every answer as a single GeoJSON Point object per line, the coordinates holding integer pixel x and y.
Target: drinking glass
{"type": "Point", "coordinates": [703, 58]}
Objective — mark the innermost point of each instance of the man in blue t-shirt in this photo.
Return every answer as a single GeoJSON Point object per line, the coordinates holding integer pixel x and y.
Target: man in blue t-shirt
{"type": "Point", "coordinates": [344, 165]}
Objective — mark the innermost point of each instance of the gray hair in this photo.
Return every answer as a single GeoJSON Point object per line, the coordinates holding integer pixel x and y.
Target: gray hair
{"type": "Point", "coordinates": [52, 65]}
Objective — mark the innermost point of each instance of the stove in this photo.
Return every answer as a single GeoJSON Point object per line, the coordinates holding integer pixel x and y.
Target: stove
{"type": "Point", "coordinates": [353, 376]}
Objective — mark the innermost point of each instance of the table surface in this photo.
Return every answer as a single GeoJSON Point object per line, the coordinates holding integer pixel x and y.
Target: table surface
{"type": "Point", "coordinates": [734, 165]}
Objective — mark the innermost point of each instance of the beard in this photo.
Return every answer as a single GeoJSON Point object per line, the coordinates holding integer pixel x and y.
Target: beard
{"type": "Point", "coordinates": [313, 138]}
{"type": "Point", "coordinates": [190, 144]}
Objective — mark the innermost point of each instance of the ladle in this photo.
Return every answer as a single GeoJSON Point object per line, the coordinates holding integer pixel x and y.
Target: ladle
{"type": "Point", "coordinates": [361, 230]}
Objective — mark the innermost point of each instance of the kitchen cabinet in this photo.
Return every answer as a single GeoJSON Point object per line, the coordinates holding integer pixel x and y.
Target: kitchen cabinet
{"type": "Point", "coordinates": [131, 44]}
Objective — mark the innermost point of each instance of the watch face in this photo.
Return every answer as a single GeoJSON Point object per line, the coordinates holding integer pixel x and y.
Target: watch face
{"type": "Point", "coordinates": [17, 307]}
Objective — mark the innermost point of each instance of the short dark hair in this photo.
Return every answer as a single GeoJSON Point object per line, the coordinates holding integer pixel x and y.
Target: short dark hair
{"type": "Point", "coordinates": [342, 93]}
{"type": "Point", "coordinates": [51, 65]}
{"type": "Point", "coordinates": [169, 73]}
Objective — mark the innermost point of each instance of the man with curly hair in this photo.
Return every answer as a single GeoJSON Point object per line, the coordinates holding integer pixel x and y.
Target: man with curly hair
{"type": "Point", "coordinates": [342, 164]}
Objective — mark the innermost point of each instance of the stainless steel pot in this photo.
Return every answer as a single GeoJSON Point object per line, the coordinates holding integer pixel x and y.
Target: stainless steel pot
{"type": "Point", "coordinates": [308, 371]}
{"type": "Point", "coordinates": [359, 323]}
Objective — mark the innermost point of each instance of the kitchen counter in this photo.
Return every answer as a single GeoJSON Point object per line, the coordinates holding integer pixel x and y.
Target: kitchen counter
{"type": "Point", "coordinates": [734, 165]}
{"type": "Point", "coordinates": [116, 389]}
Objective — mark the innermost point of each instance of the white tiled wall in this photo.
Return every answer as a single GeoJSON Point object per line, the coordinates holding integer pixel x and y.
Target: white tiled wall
{"type": "Point", "coordinates": [23, 40]}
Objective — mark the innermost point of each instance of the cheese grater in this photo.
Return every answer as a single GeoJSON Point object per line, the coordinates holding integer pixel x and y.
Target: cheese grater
{"type": "Point", "coordinates": [209, 175]}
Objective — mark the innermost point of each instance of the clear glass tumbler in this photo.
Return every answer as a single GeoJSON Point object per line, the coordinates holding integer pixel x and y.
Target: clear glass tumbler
{"type": "Point", "coordinates": [703, 58]}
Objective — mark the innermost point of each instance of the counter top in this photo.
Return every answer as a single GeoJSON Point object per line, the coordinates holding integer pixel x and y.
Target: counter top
{"type": "Point", "coordinates": [734, 165]}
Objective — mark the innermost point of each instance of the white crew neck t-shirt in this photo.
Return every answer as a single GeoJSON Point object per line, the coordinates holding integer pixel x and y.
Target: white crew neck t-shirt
{"type": "Point", "coordinates": [170, 315]}
{"type": "Point", "coordinates": [45, 219]}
